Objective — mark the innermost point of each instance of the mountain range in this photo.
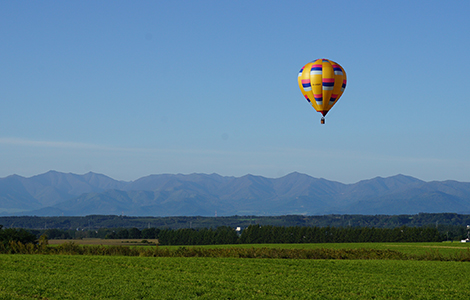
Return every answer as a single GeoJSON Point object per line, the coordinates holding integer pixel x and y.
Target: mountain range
{"type": "Point", "coordinates": [66, 194]}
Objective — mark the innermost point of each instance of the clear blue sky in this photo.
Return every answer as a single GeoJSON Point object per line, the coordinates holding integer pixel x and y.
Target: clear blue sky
{"type": "Point", "coordinates": [133, 88]}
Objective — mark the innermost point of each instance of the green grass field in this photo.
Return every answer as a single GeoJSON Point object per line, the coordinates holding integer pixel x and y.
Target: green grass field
{"type": "Point", "coordinates": [408, 248]}
{"type": "Point", "coordinates": [120, 277]}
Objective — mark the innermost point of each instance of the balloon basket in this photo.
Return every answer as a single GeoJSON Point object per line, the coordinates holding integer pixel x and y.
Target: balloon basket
{"type": "Point", "coordinates": [322, 121]}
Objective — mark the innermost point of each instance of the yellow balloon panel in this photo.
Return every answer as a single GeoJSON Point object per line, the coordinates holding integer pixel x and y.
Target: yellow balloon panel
{"type": "Point", "coordinates": [322, 83]}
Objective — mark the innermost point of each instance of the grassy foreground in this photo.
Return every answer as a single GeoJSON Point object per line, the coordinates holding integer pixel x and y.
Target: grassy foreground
{"type": "Point", "coordinates": [119, 277]}
{"type": "Point", "coordinates": [359, 271]}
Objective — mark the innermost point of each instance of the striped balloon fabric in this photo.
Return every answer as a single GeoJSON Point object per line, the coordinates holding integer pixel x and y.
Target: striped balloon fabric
{"type": "Point", "coordinates": [322, 83]}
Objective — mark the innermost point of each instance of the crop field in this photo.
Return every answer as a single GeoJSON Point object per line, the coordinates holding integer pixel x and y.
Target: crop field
{"type": "Point", "coordinates": [408, 248]}
{"type": "Point", "coordinates": [122, 277]}
{"type": "Point", "coordinates": [444, 248]}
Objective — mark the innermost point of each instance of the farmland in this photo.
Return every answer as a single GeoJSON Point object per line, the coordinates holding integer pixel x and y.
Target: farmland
{"type": "Point", "coordinates": [122, 277]}
{"type": "Point", "coordinates": [445, 248]}
{"type": "Point", "coordinates": [85, 277]}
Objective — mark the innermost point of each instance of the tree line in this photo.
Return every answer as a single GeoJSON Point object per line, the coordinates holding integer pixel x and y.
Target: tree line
{"type": "Point", "coordinates": [293, 235]}
{"type": "Point", "coordinates": [96, 222]}
{"type": "Point", "coordinates": [256, 234]}
{"type": "Point", "coordinates": [16, 235]}
{"type": "Point", "coordinates": [183, 236]}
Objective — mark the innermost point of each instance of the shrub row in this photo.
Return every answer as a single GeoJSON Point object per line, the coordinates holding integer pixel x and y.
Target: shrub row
{"type": "Point", "coordinates": [236, 252]}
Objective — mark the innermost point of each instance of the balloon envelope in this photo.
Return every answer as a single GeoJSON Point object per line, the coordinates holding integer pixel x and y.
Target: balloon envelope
{"type": "Point", "coordinates": [322, 83]}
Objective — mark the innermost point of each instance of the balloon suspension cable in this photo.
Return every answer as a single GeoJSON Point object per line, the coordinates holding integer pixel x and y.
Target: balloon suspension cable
{"type": "Point", "coordinates": [322, 121]}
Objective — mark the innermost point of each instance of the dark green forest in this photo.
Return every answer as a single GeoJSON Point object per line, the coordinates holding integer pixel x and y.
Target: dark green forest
{"type": "Point", "coordinates": [253, 234]}
{"type": "Point", "coordinates": [94, 222]}
{"type": "Point", "coordinates": [16, 235]}
{"type": "Point", "coordinates": [256, 234]}
{"type": "Point", "coordinates": [254, 229]}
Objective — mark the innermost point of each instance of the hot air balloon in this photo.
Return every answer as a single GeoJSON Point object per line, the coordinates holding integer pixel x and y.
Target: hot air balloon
{"type": "Point", "coordinates": [322, 83]}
